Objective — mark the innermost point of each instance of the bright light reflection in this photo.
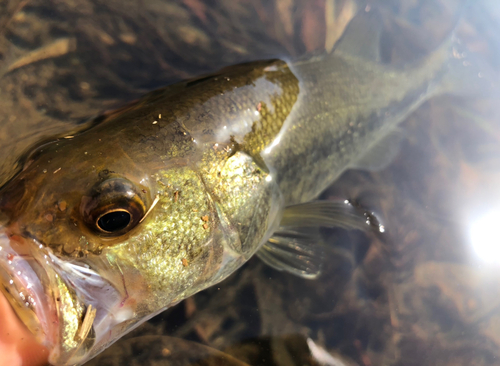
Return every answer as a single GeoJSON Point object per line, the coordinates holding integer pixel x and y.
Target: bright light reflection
{"type": "Point", "coordinates": [484, 237]}
{"type": "Point", "coordinates": [274, 143]}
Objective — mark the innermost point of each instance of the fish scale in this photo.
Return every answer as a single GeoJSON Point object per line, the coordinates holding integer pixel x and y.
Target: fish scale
{"type": "Point", "coordinates": [358, 104]}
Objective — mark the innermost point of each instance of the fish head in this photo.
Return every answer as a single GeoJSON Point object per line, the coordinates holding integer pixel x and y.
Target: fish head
{"type": "Point", "coordinates": [98, 236]}
{"type": "Point", "coordinates": [54, 268]}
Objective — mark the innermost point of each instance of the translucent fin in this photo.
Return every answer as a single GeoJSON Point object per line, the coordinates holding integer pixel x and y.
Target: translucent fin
{"type": "Point", "coordinates": [381, 154]}
{"type": "Point", "coordinates": [297, 248]}
{"type": "Point", "coordinates": [361, 37]}
{"type": "Point", "coordinates": [343, 214]}
{"type": "Point", "coordinates": [298, 252]}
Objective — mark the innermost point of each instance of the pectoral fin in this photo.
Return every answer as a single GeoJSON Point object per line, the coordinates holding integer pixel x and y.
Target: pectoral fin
{"type": "Point", "coordinates": [296, 251]}
{"type": "Point", "coordinates": [297, 246]}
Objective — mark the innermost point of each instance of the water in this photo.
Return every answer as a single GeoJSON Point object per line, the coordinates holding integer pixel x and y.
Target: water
{"type": "Point", "coordinates": [426, 292]}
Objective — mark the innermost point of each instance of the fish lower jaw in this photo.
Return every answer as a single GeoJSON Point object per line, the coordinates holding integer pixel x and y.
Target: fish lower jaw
{"type": "Point", "coordinates": [66, 305]}
{"type": "Point", "coordinates": [53, 299]}
{"type": "Point", "coordinates": [90, 310]}
{"type": "Point", "coordinates": [22, 285]}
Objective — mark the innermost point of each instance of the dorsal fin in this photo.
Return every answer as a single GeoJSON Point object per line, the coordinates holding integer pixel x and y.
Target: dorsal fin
{"type": "Point", "coordinates": [361, 37]}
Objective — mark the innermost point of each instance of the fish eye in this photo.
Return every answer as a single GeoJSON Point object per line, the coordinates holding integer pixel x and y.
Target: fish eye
{"type": "Point", "coordinates": [113, 207]}
{"type": "Point", "coordinates": [113, 221]}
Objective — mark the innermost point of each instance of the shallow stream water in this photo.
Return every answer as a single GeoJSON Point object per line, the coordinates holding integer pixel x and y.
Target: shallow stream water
{"type": "Point", "coordinates": [425, 292]}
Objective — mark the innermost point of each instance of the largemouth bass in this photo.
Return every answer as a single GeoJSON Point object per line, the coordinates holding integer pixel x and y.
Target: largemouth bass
{"type": "Point", "coordinates": [174, 192]}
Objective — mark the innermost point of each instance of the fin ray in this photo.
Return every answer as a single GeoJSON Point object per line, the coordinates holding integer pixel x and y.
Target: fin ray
{"type": "Point", "coordinates": [342, 214]}
{"type": "Point", "coordinates": [297, 247]}
{"type": "Point", "coordinates": [295, 252]}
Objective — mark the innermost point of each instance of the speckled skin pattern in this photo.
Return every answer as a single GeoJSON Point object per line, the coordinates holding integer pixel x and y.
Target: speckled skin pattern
{"type": "Point", "coordinates": [215, 160]}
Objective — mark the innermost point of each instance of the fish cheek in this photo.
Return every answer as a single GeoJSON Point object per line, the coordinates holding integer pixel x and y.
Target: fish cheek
{"type": "Point", "coordinates": [174, 249]}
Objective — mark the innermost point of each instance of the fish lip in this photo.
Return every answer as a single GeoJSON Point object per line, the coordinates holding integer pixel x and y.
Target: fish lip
{"type": "Point", "coordinates": [30, 269]}
{"type": "Point", "coordinates": [22, 278]}
{"type": "Point", "coordinates": [25, 261]}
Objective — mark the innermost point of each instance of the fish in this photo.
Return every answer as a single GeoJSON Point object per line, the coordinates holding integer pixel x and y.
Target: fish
{"type": "Point", "coordinates": [105, 228]}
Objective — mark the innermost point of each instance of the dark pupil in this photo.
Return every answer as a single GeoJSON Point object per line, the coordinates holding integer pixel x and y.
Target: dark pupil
{"type": "Point", "coordinates": [114, 221]}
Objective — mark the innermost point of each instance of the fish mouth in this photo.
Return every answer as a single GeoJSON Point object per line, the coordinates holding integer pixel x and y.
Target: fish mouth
{"type": "Point", "coordinates": [22, 279]}
{"type": "Point", "coordinates": [69, 308]}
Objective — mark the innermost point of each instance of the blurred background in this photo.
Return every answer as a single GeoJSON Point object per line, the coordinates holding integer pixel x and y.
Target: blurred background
{"type": "Point", "coordinates": [425, 292]}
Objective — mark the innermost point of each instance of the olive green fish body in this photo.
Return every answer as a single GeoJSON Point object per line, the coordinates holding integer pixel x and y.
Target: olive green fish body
{"type": "Point", "coordinates": [346, 106]}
